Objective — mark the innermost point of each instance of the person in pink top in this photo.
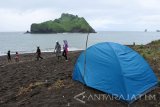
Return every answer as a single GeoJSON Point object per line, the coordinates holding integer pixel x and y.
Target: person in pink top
{"type": "Point", "coordinates": [65, 49]}
{"type": "Point", "coordinates": [17, 57]}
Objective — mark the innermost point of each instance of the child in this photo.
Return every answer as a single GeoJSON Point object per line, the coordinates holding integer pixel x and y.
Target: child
{"type": "Point", "coordinates": [17, 57]}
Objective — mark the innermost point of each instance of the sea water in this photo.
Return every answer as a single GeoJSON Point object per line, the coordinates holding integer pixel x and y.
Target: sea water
{"type": "Point", "coordinates": [27, 43]}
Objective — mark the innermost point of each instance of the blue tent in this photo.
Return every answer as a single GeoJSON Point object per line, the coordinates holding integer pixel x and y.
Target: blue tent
{"type": "Point", "coordinates": [115, 69]}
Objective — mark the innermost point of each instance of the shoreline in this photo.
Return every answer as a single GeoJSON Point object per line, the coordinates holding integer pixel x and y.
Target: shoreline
{"type": "Point", "coordinates": [43, 51]}
{"type": "Point", "coordinates": [24, 57]}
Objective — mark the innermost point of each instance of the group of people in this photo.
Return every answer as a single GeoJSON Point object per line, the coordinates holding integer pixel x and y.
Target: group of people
{"type": "Point", "coordinates": [57, 50]}
{"type": "Point", "coordinates": [9, 56]}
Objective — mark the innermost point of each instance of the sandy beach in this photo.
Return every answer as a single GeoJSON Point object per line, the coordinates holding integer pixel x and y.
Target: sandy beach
{"type": "Point", "coordinates": [48, 83]}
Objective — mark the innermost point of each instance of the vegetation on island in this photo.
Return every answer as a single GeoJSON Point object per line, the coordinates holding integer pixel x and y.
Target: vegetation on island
{"type": "Point", "coordinates": [66, 23]}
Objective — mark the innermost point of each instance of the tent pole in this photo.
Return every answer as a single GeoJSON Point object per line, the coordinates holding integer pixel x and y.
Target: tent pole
{"type": "Point", "coordinates": [85, 57]}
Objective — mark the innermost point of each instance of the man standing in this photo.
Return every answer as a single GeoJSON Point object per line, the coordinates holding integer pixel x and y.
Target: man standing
{"type": "Point", "coordinates": [9, 56]}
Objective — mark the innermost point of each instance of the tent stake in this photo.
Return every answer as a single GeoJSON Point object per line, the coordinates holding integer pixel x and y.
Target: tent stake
{"type": "Point", "coordinates": [128, 105]}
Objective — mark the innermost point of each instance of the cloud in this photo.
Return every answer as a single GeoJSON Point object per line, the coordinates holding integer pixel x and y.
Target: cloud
{"type": "Point", "coordinates": [15, 20]}
{"type": "Point", "coordinates": [17, 15]}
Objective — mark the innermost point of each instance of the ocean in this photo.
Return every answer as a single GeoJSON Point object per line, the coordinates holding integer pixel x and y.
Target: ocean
{"type": "Point", "coordinates": [27, 43]}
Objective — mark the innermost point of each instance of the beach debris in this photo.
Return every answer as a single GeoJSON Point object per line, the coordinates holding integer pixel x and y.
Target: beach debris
{"type": "Point", "coordinates": [28, 66]}
{"type": "Point", "coordinates": [29, 88]}
{"type": "Point", "coordinates": [68, 104]}
{"type": "Point", "coordinates": [154, 58]}
{"type": "Point", "coordinates": [61, 84]}
{"type": "Point", "coordinates": [1, 101]}
{"type": "Point", "coordinates": [70, 85]}
{"type": "Point", "coordinates": [47, 83]}
{"type": "Point", "coordinates": [2, 65]}
{"type": "Point", "coordinates": [34, 92]}
{"type": "Point", "coordinates": [57, 85]}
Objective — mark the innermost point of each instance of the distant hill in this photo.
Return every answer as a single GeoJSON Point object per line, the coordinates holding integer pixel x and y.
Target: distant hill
{"type": "Point", "coordinates": [66, 23]}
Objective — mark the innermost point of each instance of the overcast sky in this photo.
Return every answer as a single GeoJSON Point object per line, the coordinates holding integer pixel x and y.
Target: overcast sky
{"type": "Point", "coordinates": [102, 15]}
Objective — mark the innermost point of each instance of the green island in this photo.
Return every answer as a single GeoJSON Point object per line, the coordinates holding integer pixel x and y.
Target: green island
{"type": "Point", "coordinates": [67, 23]}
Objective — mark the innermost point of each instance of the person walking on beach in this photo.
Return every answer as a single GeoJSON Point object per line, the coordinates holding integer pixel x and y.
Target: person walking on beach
{"type": "Point", "coordinates": [65, 49]}
{"type": "Point", "coordinates": [9, 56]}
{"type": "Point", "coordinates": [17, 57]}
{"type": "Point", "coordinates": [39, 53]}
{"type": "Point", "coordinates": [57, 50]}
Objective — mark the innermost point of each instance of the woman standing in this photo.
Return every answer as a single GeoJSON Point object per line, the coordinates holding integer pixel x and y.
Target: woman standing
{"type": "Point", "coordinates": [65, 49]}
